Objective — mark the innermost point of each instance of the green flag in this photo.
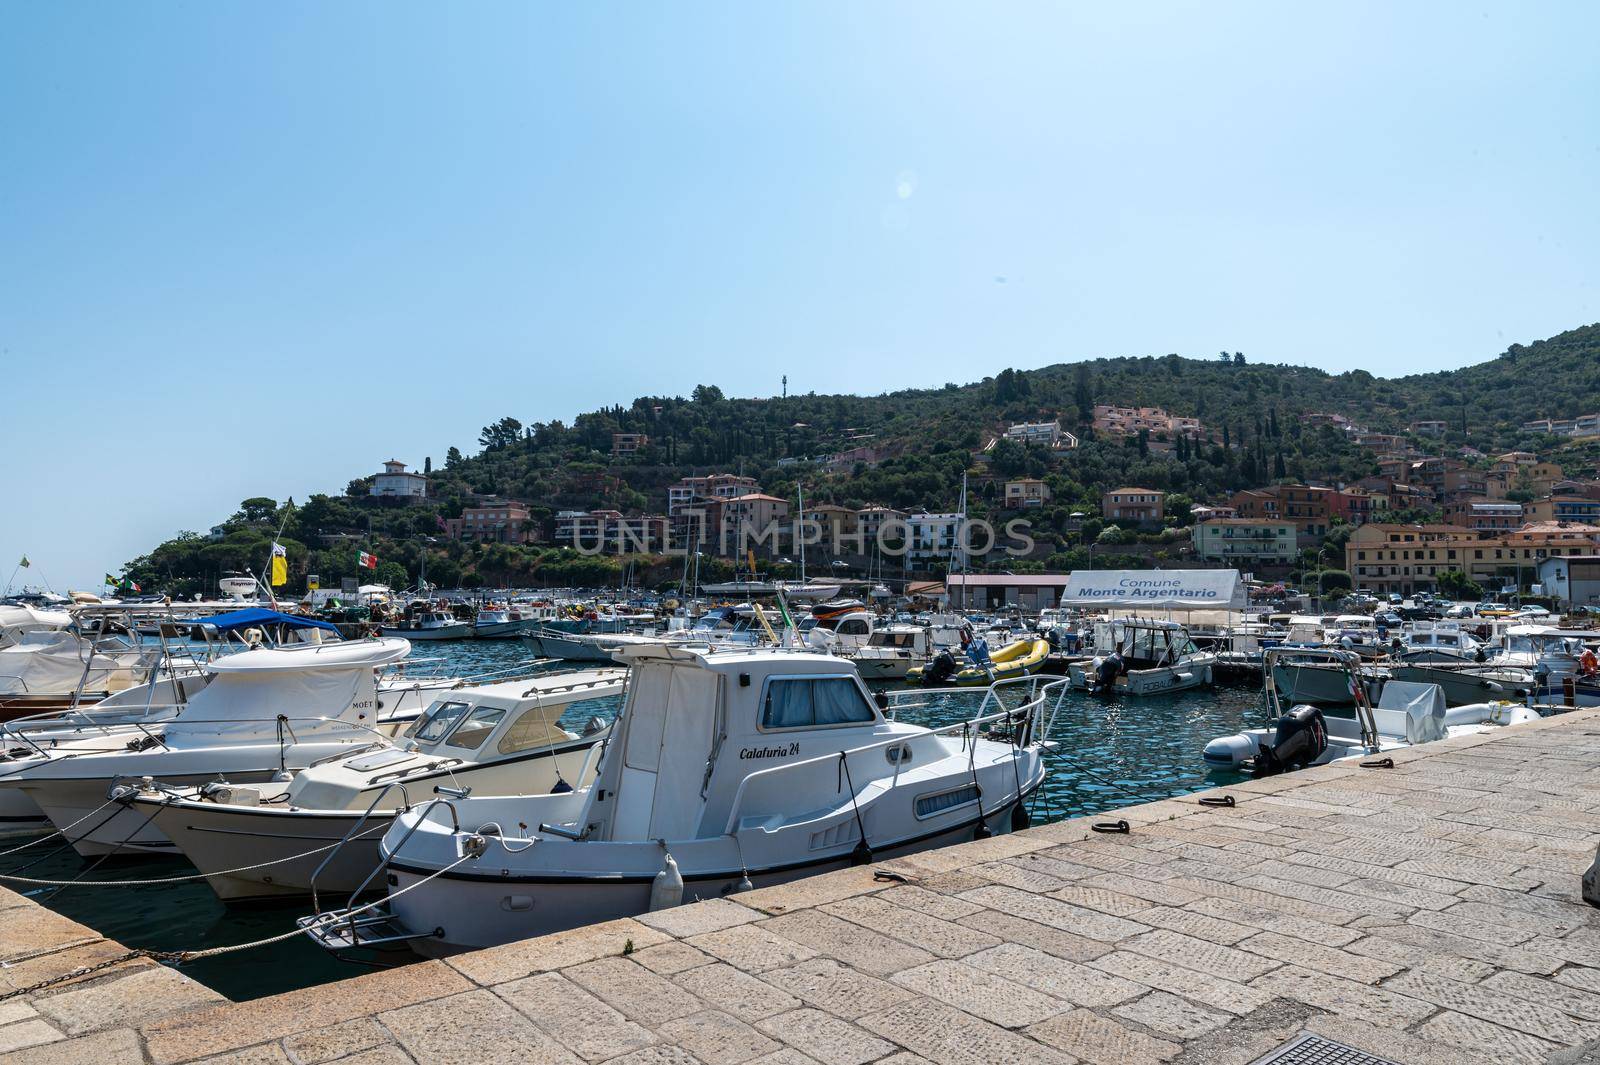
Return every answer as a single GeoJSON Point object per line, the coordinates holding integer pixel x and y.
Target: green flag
{"type": "Point", "coordinates": [24, 563]}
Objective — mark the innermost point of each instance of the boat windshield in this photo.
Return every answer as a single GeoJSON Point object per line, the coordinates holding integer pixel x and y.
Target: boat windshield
{"type": "Point", "coordinates": [470, 734]}
{"type": "Point", "coordinates": [813, 702]}
{"type": "Point", "coordinates": [437, 722]}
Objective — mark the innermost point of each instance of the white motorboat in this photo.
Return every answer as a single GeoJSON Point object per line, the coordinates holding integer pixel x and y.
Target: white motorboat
{"type": "Point", "coordinates": [1439, 643]}
{"type": "Point", "coordinates": [893, 650]}
{"type": "Point", "coordinates": [48, 669]}
{"type": "Point", "coordinates": [499, 621]}
{"type": "Point", "coordinates": [1407, 714]}
{"type": "Point", "coordinates": [725, 770]}
{"type": "Point", "coordinates": [1142, 656]}
{"type": "Point", "coordinates": [433, 623]}
{"type": "Point", "coordinates": [840, 633]}
{"type": "Point", "coordinates": [1466, 683]}
{"type": "Point", "coordinates": [19, 618]}
{"type": "Point", "coordinates": [495, 739]}
{"type": "Point", "coordinates": [265, 712]}
{"type": "Point", "coordinates": [1552, 653]}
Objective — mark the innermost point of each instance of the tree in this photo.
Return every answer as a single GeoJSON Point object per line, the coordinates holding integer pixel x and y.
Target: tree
{"type": "Point", "coordinates": [1238, 358]}
{"type": "Point", "coordinates": [1457, 585]}
{"type": "Point", "coordinates": [257, 510]}
{"type": "Point", "coordinates": [501, 435]}
{"type": "Point", "coordinates": [452, 458]}
{"type": "Point", "coordinates": [1111, 536]}
{"type": "Point", "coordinates": [427, 465]}
{"type": "Point", "coordinates": [707, 394]}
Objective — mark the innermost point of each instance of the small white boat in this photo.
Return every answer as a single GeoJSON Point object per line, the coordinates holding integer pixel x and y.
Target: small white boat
{"type": "Point", "coordinates": [265, 712]}
{"type": "Point", "coordinates": [434, 623]}
{"type": "Point", "coordinates": [893, 650]}
{"type": "Point", "coordinates": [1140, 656]}
{"type": "Point", "coordinates": [1408, 713]}
{"type": "Point", "coordinates": [724, 770]}
{"type": "Point", "coordinates": [1432, 643]}
{"type": "Point", "coordinates": [495, 739]}
{"type": "Point", "coordinates": [498, 621]}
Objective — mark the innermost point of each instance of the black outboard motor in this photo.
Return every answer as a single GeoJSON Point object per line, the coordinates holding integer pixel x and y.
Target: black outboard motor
{"type": "Point", "coordinates": [1301, 739]}
{"type": "Point", "coordinates": [940, 670]}
{"type": "Point", "coordinates": [1106, 672]}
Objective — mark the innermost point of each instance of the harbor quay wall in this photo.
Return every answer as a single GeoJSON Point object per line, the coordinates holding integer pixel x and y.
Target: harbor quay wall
{"type": "Point", "coordinates": [1429, 913]}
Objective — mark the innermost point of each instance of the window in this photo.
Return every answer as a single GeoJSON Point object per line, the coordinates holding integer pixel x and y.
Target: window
{"type": "Point", "coordinates": [814, 702]}
{"type": "Point", "coordinates": [476, 728]}
{"type": "Point", "coordinates": [432, 726]}
{"type": "Point", "coordinates": [928, 805]}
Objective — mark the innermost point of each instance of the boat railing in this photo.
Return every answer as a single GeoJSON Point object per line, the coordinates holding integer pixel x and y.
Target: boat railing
{"type": "Point", "coordinates": [1029, 713]}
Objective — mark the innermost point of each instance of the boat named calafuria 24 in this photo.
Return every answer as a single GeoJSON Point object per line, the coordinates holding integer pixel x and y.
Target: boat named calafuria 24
{"type": "Point", "coordinates": [725, 769]}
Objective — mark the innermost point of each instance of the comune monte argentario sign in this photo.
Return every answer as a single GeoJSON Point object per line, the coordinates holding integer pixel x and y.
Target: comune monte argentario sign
{"type": "Point", "coordinates": [1164, 588]}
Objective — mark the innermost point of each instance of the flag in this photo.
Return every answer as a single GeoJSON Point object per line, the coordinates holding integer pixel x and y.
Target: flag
{"type": "Point", "coordinates": [24, 563]}
{"type": "Point", "coordinates": [280, 565]}
{"type": "Point", "coordinates": [367, 561]}
{"type": "Point", "coordinates": [112, 581]}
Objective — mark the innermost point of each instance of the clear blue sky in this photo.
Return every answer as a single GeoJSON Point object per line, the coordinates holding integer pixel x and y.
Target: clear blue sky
{"type": "Point", "coordinates": [254, 249]}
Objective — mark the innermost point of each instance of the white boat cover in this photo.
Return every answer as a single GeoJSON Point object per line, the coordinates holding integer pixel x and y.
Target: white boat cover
{"type": "Point", "coordinates": [16, 620]}
{"type": "Point", "coordinates": [1411, 709]}
{"type": "Point", "coordinates": [303, 657]}
{"type": "Point", "coordinates": [1157, 588]}
{"type": "Point", "coordinates": [52, 663]}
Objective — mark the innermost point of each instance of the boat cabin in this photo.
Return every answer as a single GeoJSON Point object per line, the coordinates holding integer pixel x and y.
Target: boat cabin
{"type": "Point", "coordinates": [1142, 643]}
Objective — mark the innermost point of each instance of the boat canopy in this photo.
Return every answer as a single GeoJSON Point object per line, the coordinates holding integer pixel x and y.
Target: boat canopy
{"type": "Point", "coordinates": [1165, 588]}
{"type": "Point", "coordinates": [257, 616]}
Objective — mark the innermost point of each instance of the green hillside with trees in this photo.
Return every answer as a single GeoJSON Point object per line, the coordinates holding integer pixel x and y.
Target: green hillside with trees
{"type": "Point", "coordinates": [926, 439]}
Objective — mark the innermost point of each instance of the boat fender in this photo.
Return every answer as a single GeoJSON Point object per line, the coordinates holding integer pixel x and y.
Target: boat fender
{"type": "Point", "coordinates": [666, 890]}
{"type": "Point", "coordinates": [1206, 677]}
{"type": "Point", "coordinates": [1020, 818]}
{"type": "Point", "coordinates": [562, 787]}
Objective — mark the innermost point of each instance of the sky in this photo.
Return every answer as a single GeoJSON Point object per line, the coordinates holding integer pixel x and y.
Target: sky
{"type": "Point", "coordinates": [255, 249]}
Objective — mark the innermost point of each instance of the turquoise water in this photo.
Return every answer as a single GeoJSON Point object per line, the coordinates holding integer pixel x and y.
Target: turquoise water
{"type": "Point", "coordinates": [1113, 753]}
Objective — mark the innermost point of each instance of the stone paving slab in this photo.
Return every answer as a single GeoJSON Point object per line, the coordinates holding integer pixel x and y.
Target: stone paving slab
{"type": "Point", "coordinates": [1428, 913]}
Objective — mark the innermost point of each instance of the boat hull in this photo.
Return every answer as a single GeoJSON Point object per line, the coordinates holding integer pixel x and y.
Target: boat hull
{"type": "Point", "coordinates": [1319, 685]}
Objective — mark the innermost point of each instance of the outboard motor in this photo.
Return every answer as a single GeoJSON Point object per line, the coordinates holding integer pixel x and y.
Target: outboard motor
{"type": "Point", "coordinates": [1301, 739]}
{"type": "Point", "coordinates": [1106, 672]}
{"type": "Point", "coordinates": [940, 670]}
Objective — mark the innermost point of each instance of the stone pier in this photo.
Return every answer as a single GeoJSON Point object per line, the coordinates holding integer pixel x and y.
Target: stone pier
{"type": "Point", "coordinates": [1427, 913]}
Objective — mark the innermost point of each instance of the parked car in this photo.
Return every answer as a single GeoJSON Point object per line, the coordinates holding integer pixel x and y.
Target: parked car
{"type": "Point", "coordinates": [1395, 599]}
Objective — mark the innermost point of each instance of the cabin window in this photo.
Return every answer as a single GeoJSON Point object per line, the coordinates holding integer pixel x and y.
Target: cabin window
{"type": "Point", "coordinates": [814, 702]}
{"type": "Point", "coordinates": [928, 805]}
{"type": "Point", "coordinates": [852, 627]}
{"type": "Point", "coordinates": [432, 726]}
{"type": "Point", "coordinates": [471, 733]}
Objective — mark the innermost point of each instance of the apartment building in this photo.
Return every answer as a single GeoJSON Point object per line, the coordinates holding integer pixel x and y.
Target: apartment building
{"type": "Point", "coordinates": [1245, 541]}
{"type": "Point", "coordinates": [1485, 517]}
{"type": "Point", "coordinates": [695, 491]}
{"type": "Point", "coordinates": [493, 521]}
{"type": "Point", "coordinates": [399, 485]}
{"type": "Point", "coordinates": [1311, 508]}
{"type": "Point", "coordinates": [1130, 421]}
{"type": "Point", "coordinates": [1042, 434]}
{"type": "Point", "coordinates": [1409, 558]}
{"type": "Point", "coordinates": [623, 444]}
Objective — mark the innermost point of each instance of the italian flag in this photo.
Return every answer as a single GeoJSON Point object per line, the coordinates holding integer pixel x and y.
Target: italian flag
{"type": "Point", "coordinates": [367, 561]}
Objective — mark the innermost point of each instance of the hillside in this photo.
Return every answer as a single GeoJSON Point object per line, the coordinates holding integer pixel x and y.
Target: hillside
{"type": "Point", "coordinates": [924, 438]}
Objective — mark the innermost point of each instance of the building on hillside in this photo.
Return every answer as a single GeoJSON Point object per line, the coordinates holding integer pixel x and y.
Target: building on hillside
{"type": "Point", "coordinates": [995, 591]}
{"type": "Point", "coordinates": [1583, 425]}
{"type": "Point", "coordinates": [627, 443]}
{"type": "Point", "coordinates": [493, 521]}
{"type": "Point", "coordinates": [1355, 505]}
{"type": "Point", "coordinates": [1026, 493]}
{"type": "Point", "coordinates": [1338, 421]}
{"type": "Point", "coordinates": [397, 484]}
{"type": "Point", "coordinates": [1311, 508]}
{"type": "Point", "coordinates": [611, 532]}
{"type": "Point", "coordinates": [931, 538]}
{"type": "Point", "coordinates": [1042, 434]}
{"type": "Point", "coordinates": [1569, 508]}
{"type": "Point", "coordinates": [697, 491]}
{"type": "Point", "coordinates": [1485, 517]}
{"type": "Point", "coordinates": [1427, 428]}
{"type": "Point", "coordinates": [877, 526]}
{"type": "Point", "coordinates": [846, 461]}
{"type": "Point", "coordinates": [1206, 512]}
{"type": "Point", "coordinates": [755, 522]}
{"type": "Point", "coordinates": [1463, 482]}
{"type": "Point", "coordinates": [1381, 442]}
{"type": "Point", "coordinates": [1572, 581]}
{"type": "Point", "coordinates": [1246, 542]}
{"type": "Point", "coordinates": [1137, 506]}
{"type": "Point", "coordinates": [832, 528]}
{"type": "Point", "coordinates": [1131, 421]}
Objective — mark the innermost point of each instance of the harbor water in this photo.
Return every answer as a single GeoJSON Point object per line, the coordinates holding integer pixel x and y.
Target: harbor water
{"type": "Point", "coordinates": [1112, 753]}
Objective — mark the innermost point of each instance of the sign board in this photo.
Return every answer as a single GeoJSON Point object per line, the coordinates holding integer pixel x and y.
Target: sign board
{"type": "Point", "coordinates": [1164, 589]}
{"type": "Point", "coordinates": [313, 582]}
{"type": "Point", "coordinates": [350, 587]}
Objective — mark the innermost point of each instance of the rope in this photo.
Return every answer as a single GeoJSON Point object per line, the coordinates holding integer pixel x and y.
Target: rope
{"type": "Point", "coordinates": [56, 832]}
{"type": "Point", "coordinates": [187, 878]}
{"type": "Point", "coordinates": [181, 956]}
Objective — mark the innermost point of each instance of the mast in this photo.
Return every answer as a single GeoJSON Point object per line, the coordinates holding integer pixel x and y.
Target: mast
{"type": "Point", "coordinates": [800, 493]}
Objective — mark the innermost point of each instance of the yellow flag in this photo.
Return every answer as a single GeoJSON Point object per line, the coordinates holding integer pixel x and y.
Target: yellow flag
{"type": "Point", "coordinates": [280, 571]}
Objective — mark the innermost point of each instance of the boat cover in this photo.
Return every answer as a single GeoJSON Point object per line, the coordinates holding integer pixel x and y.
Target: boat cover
{"type": "Point", "coordinates": [257, 616]}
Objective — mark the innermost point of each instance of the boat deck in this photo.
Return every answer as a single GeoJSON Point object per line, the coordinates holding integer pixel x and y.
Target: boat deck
{"type": "Point", "coordinates": [1427, 913]}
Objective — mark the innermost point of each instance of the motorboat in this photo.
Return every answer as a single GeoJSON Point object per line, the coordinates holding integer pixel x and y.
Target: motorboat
{"type": "Point", "coordinates": [17, 619]}
{"type": "Point", "coordinates": [1407, 713]}
{"type": "Point", "coordinates": [893, 651]}
{"type": "Point", "coordinates": [1553, 654]}
{"type": "Point", "coordinates": [1467, 682]}
{"type": "Point", "coordinates": [1439, 643]}
{"type": "Point", "coordinates": [271, 838]}
{"type": "Point", "coordinates": [431, 622]}
{"type": "Point", "coordinates": [1022, 658]}
{"type": "Point", "coordinates": [265, 712]}
{"type": "Point", "coordinates": [501, 621]}
{"type": "Point", "coordinates": [725, 770]}
{"type": "Point", "coordinates": [1306, 675]}
{"type": "Point", "coordinates": [1142, 656]}
{"type": "Point", "coordinates": [841, 632]}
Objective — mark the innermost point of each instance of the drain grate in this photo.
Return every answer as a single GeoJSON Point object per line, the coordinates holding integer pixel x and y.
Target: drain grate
{"type": "Point", "coordinates": [1307, 1049]}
